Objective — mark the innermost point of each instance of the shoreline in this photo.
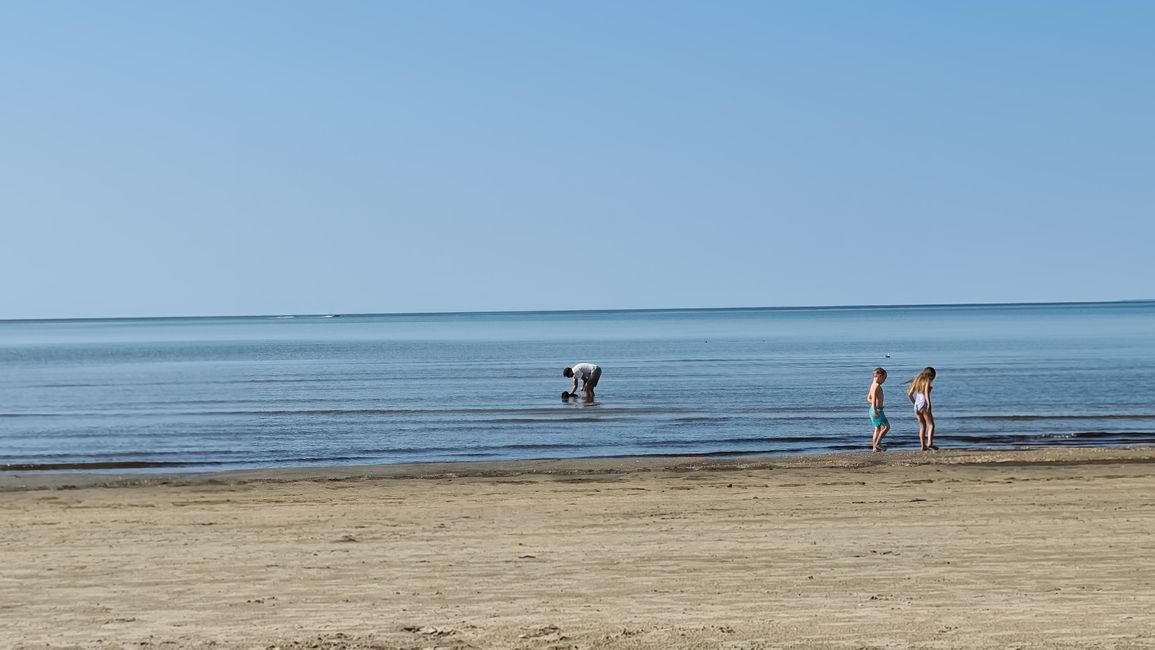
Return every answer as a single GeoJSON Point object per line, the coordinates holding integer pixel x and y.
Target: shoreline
{"type": "Point", "coordinates": [17, 480]}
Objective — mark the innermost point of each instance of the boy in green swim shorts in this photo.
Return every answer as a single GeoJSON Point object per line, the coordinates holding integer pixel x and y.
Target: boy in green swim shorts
{"type": "Point", "coordinates": [874, 397]}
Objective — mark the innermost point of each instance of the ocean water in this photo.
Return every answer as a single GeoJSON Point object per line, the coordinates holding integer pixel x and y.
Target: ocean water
{"type": "Point", "coordinates": [201, 394]}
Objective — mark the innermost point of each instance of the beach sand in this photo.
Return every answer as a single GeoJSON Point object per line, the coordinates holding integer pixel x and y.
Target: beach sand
{"type": "Point", "coordinates": [1025, 549]}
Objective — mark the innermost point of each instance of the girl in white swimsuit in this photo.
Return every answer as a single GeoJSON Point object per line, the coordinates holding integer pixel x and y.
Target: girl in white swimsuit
{"type": "Point", "coordinates": [919, 394]}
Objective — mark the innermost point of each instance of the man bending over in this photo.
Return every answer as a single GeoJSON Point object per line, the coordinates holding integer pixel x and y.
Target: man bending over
{"type": "Point", "coordinates": [588, 373]}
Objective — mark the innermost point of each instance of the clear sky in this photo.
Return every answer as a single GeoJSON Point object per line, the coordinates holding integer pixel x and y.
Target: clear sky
{"type": "Point", "coordinates": [245, 157]}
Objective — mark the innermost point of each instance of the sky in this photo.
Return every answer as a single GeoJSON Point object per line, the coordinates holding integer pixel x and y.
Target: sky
{"type": "Point", "coordinates": [285, 157]}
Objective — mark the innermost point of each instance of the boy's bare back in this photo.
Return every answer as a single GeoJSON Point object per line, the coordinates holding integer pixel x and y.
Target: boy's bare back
{"type": "Point", "coordinates": [875, 396]}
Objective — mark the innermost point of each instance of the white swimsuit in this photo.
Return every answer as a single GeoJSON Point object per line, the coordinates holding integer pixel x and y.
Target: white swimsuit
{"type": "Point", "coordinates": [920, 402]}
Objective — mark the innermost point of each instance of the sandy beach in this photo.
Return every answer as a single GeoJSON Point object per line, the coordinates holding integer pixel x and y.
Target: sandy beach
{"type": "Point", "coordinates": [1026, 549]}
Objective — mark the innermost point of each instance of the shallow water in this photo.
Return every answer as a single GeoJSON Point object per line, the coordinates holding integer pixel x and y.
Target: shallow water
{"type": "Point", "coordinates": [224, 393]}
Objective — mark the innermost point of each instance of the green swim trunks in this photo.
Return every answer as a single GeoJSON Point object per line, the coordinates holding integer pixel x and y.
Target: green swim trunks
{"type": "Point", "coordinates": [877, 418]}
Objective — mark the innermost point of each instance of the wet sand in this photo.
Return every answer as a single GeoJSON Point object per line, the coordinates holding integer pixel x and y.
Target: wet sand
{"type": "Point", "coordinates": [1032, 549]}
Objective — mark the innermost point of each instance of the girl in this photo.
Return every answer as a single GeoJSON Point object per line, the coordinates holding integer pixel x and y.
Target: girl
{"type": "Point", "coordinates": [919, 394]}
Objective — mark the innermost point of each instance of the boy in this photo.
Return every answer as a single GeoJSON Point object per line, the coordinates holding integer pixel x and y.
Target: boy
{"type": "Point", "coordinates": [589, 374]}
{"type": "Point", "coordinates": [874, 397]}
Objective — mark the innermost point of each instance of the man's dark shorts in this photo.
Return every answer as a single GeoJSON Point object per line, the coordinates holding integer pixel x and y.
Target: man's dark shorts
{"type": "Point", "coordinates": [592, 382]}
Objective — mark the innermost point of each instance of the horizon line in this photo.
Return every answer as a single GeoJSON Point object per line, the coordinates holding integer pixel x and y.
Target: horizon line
{"type": "Point", "coordinates": [588, 311]}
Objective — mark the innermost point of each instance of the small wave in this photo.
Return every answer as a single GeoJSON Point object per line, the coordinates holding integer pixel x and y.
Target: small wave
{"type": "Point", "coordinates": [773, 441]}
{"type": "Point", "coordinates": [1028, 418]}
{"type": "Point", "coordinates": [495, 415]}
{"type": "Point", "coordinates": [1093, 438]}
{"type": "Point", "coordinates": [101, 465]}
{"type": "Point", "coordinates": [557, 420]}
{"type": "Point", "coordinates": [1093, 435]}
{"type": "Point", "coordinates": [814, 439]}
{"type": "Point", "coordinates": [542, 447]}
{"type": "Point", "coordinates": [702, 419]}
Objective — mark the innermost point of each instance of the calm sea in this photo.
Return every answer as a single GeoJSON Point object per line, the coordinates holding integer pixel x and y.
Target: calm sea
{"type": "Point", "coordinates": [229, 393]}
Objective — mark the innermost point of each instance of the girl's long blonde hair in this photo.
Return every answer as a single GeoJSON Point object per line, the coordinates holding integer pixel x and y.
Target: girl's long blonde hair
{"type": "Point", "coordinates": [921, 381]}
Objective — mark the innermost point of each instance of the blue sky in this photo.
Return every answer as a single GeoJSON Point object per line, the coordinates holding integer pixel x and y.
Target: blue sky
{"type": "Point", "coordinates": [181, 158]}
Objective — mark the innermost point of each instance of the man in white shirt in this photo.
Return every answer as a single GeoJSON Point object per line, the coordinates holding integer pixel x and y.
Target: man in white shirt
{"type": "Point", "coordinates": [589, 373]}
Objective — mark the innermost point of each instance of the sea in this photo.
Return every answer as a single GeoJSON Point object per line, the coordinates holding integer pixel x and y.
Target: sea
{"type": "Point", "coordinates": [212, 394]}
